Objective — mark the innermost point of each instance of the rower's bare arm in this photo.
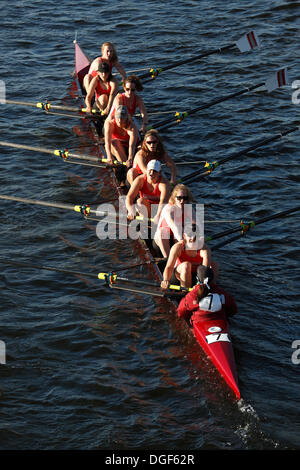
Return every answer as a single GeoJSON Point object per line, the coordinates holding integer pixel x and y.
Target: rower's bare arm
{"type": "Point", "coordinates": [121, 70]}
{"type": "Point", "coordinates": [168, 271]}
{"type": "Point", "coordinates": [164, 196]}
{"type": "Point", "coordinates": [133, 133]}
{"type": "Point", "coordinates": [205, 253]}
{"type": "Point", "coordinates": [111, 98]}
{"type": "Point", "coordinates": [90, 94]}
{"type": "Point", "coordinates": [144, 115]}
{"type": "Point", "coordinates": [94, 65]}
{"type": "Point", "coordinates": [108, 138]}
{"type": "Point", "coordinates": [169, 217]}
{"type": "Point", "coordinates": [130, 198]}
{"type": "Point", "coordinates": [140, 161]}
{"type": "Point", "coordinates": [172, 166]}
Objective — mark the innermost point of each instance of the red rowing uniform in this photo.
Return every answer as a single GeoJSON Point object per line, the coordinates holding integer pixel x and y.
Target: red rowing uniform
{"type": "Point", "coordinates": [194, 260]}
{"type": "Point", "coordinates": [99, 90]}
{"type": "Point", "coordinates": [137, 168]}
{"type": "Point", "coordinates": [118, 133]}
{"type": "Point", "coordinates": [132, 108]}
{"type": "Point", "coordinates": [151, 196]}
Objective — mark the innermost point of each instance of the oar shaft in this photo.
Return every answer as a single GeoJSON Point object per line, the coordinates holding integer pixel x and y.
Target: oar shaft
{"type": "Point", "coordinates": [20, 103]}
{"type": "Point", "coordinates": [85, 209]}
{"type": "Point", "coordinates": [225, 98]}
{"type": "Point", "coordinates": [173, 120]}
{"type": "Point", "coordinates": [189, 60]}
{"type": "Point", "coordinates": [42, 267]}
{"type": "Point", "coordinates": [37, 202]}
{"type": "Point", "coordinates": [199, 56]}
{"type": "Point", "coordinates": [37, 105]}
{"type": "Point", "coordinates": [203, 172]}
{"type": "Point", "coordinates": [48, 151]}
{"type": "Point", "coordinates": [258, 144]}
{"type": "Point", "coordinates": [255, 222]}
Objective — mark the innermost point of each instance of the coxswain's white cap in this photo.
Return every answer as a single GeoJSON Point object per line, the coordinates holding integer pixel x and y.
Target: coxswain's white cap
{"type": "Point", "coordinates": [154, 165]}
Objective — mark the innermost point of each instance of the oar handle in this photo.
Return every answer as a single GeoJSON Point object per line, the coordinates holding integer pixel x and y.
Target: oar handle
{"type": "Point", "coordinates": [112, 278]}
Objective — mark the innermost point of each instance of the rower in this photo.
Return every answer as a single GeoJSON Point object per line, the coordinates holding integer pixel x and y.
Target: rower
{"type": "Point", "coordinates": [109, 55]}
{"type": "Point", "coordinates": [131, 100]}
{"type": "Point", "coordinates": [104, 87]}
{"type": "Point", "coordinates": [206, 300]}
{"type": "Point", "coordinates": [184, 258]}
{"type": "Point", "coordinates": [152, 189]}
{"type": "Point", "coordinates": [152, 148]}
{"type": "Point", "coordinates": [121, 136]}
{"type": "Point", "coordinates": [174, 216]}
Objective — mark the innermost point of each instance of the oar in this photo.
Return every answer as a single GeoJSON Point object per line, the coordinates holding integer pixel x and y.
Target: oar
{"type": "Point", "coordinates": [112, 278]}
{"type": "Point", "coordinates": [277, 80]}
{"type": "Point", "coordinates": [46, 106]}
{"type": "Point", "coordinates": [209, 167]}
{"type": "Point", "coordinates": [253, 42]}
{"type": "Point", "coordinates": [84, 209]}
{"type": "Point", "coordinates": [64, 154]}
{"type": "Point", "coordinates": [179, 116]}
{"type": "Point", "coordinates": [246, 226]}
{"type": "Point", "coordinates": [104, 276]}
{"type": "Point", "coordinates": [66, 271]}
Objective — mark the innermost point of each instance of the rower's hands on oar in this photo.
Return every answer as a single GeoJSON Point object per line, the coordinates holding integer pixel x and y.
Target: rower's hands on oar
{"type": "Point", "coordinates": [164, 284]}
{"type": "Point", "coordinates": [155, 219]}
{"type": "Point", "coordinates": [88, 109]}
{"type": "Point", "coordinates": [131, 214]}
{"type": "Point", "coordinates": [105, 112]}
{"type": "Point", "coordinates": [129, 163]}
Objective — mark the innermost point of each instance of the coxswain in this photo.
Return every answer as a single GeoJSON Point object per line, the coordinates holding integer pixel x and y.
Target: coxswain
{"type": "Point", "coordinates": [108, 55]}
{"type": "Point", "coordinates": [152, 189]}
{"type": "Point", "coordinates": [132, 101]}
{"type": "Point", "coordinates": [206, 301]}
{"type": "Point", "coordinates": [103, 87]}
{"type": "Point", "coordinates": [121, 136]}
{"type": "Point", "coordinates": [152, 148]}
{"type": "Point", "coordinates": [174, 216]}
{"type": "Point", "coordinates": [185, 257]}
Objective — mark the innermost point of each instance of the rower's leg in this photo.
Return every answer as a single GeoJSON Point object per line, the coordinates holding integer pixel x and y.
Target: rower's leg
{"type": "Point", "coordinates": [162, 239]}
{"type": "Point", "coordinates": [86, 81]}
{"type": "Point", "coordinates": [131, 175]}
{"type": "Point", "coordinates": [184, 273]}
{"type": "Point", "coordinates": [143, 206]}
{"type": "Point", "coordinates": [118, 150]}
{"type": "Point", "coordinates": [102, 102]}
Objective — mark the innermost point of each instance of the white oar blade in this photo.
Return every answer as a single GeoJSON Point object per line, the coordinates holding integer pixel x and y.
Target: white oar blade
{"type": "Point", "coordinates": [248, 42]}
{"type": "Point", "coordinates": [277, 80]}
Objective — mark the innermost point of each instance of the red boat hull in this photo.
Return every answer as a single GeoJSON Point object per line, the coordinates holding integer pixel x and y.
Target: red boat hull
{"type": "Point", "coordinates": [214, 338]}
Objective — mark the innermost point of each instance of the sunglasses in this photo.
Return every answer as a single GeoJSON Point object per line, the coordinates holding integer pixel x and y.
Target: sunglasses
{"type": "Point", "coordinates": [130, 89]}
{"type": "Point", "coordinates": [183, 198]}
{"type": "Point", "coordinates": [151, 142]}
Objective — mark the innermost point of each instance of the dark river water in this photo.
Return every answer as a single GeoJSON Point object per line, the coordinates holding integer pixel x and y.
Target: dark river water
{"type": "Point", "coordinates": [98, 369]}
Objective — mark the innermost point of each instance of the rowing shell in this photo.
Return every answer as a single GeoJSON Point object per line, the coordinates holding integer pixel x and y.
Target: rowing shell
{"type": "Point", "coordinates": [212, 335]}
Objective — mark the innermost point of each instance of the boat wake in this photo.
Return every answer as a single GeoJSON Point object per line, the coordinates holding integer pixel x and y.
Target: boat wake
{"type": "Point", "coordinates": [249, 430]}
